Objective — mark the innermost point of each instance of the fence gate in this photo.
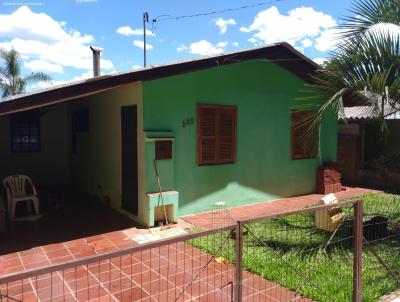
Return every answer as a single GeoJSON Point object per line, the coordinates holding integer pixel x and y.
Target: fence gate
{"type": "Point", "coordinates": [312, 254]}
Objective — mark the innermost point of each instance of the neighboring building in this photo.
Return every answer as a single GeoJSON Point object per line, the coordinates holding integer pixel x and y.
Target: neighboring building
{"type": "Point", "coordinates": [220, 129]}
{"type": "Point", "coordinates": [359, 142]}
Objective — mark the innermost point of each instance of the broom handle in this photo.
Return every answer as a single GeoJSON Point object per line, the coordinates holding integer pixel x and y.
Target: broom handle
{"type": "Point", "coordinates": [160, 190]}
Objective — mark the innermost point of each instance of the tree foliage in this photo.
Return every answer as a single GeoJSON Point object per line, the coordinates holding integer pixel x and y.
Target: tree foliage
{"type": "Point", "coordinates": [365, 66]}
{"type": "Point", "coordinates": [11, 80]}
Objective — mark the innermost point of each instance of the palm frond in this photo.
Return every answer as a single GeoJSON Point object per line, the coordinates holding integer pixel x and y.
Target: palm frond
{"type": "Point", "coordinates": [367, 13]}
{"type": "Point", "coordinates": [37, 77]}
{"type": "Point", "coordinates": [372, 63]}
{"type": "Point", "coordinates": [10, 74]}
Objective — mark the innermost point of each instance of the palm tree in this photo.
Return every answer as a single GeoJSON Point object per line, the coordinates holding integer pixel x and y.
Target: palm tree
{"type": "Point", "coordinates": [364, 68]}
{"type": "Point", "coordinates": [11, 81]}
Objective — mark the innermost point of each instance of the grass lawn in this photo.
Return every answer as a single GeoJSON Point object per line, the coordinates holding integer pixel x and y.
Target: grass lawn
{"type": "Point", "coordinates": [292, 252]}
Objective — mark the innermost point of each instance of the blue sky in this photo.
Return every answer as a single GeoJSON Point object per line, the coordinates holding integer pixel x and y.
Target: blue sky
{"type": "Point", "coordinates": [54, 35]}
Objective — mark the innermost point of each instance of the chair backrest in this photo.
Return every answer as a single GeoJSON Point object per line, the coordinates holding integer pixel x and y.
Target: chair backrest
{"type": "Point", "coordinates": [17, 183]}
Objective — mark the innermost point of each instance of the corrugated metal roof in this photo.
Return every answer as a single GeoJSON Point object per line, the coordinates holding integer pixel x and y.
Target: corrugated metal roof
{"type": "Point", "coordinates": [366, 113]}
{"type": "Point", "coordinates": [370, 111]}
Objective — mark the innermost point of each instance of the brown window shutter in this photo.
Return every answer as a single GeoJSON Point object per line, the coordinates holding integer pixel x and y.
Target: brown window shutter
{"type": "Point", "coordinates": [207, 136]}
{"type": "Point", "coordinates": [216, 134]}
{"type": "Point", "coordinates": [226, 136]}
{"type": "Point", "coordinates": [304, 143]}
{"type": "Point", "coordinates": [297, 135]}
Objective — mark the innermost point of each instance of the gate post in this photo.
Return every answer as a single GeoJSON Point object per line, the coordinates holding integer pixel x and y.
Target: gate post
{"type": "Point", "coordinates": [239, 262]}
{"type": "Point", "coordinates": [358, 241]}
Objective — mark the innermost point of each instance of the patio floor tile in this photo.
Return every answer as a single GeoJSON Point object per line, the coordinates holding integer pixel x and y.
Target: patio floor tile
{"type": "Point", "coordinates": [207, 220]}
{"type": "Point", "coordinates": [175, 272]}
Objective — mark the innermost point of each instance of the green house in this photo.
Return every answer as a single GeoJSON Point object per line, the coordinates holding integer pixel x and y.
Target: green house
{"type": "Point", "coordinates": [214, 129]}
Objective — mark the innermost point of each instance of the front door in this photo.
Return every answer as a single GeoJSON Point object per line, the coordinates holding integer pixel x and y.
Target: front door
{"type": "Point", "coordinates": [129, 159]}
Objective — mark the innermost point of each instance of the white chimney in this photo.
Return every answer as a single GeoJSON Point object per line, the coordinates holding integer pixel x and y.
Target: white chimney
{"type": "Point", "coordinates": [96, 60]}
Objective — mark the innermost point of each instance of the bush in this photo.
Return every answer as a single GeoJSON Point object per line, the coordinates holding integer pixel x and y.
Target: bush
{"type": "Point", "coordinates": [387, 162]}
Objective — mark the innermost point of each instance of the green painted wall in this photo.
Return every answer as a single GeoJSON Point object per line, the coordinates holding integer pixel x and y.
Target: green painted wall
{"type": "Point", "coordinates": [165, 168]}
{"type": "Point", "coordinates": [264, 94]}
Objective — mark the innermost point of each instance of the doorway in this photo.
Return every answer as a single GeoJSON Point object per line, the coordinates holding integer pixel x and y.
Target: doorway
{"type": "Point", "coordinates": [129, 159]}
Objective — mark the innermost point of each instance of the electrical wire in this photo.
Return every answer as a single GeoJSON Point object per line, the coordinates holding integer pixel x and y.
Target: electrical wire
{"type": "Point", "coordinates": [170, 17]}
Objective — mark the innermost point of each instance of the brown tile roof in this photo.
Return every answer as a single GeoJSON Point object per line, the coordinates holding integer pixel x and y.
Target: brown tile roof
{"type": "Point", "coordinates": [281, 54]}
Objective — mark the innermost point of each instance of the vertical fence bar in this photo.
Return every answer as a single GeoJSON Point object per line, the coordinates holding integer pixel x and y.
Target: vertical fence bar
{"type": "Point", "coordinates": [358, 240]}
{"type": "Point", "coordinates": [239, 262]}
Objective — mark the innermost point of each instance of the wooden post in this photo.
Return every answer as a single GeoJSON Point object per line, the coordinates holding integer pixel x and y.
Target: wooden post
{"type": "Point", "coordinates": [358, 241]}
{"type": "Point", "coordinates": [239, 262]}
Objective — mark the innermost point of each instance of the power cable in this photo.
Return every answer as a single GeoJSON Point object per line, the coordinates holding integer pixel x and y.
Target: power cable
{"type": "Point", "coordinates": [170, 17]}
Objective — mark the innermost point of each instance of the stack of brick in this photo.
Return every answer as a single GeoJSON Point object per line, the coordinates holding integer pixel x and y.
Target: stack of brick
{"type": "Point", "coordinates": [328, 180]}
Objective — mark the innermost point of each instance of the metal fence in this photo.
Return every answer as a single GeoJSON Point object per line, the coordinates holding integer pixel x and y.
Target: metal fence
{"type": "Point", "coordinates": [381, 245]}
{"type": "Point", "coordinates": [283, 257]}
{"type": "Point", "coordinates": [313, 254]}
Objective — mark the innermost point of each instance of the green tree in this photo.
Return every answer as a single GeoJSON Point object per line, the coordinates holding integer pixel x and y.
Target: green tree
{"type": "Point", "coordinates": [11, 80]}
{"type": "Point", "coordinates": [365, 67]}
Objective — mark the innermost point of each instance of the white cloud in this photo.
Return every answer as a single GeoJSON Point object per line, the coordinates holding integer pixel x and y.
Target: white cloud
{"type": "Point", "coordinates": [129, 31]}
{"type": "Point", "coordinates": [181, 48]}
{"type": "Point", "coordinates": [236, 44]}
{"type": "Point", "coordinates": [46, 42]}
{"type": "Point", "coordinates": [83, 76]}
{"type": "Point", "coordinates": [205, 48]}
{"type": "Point", "coordinates": [307, 42]}
{"type": "Point", "coordinates": [40, 65]}
{"type": "Point", "coordinates": [136, 67]}
{"type": "Point", "coordinates": [223, 24]}
{"type": "Point", "coordinates": [320, 61]}
{"type": "Point", "coordinates": [330, 37]}
{"type": "Point", "coordinates": [222, 44]}
{"type": "Point", "coordinates": [327, 39]}
{"type": "Point", "coordinates": [140, 44]}
{"type": "Point", "coordinates": [270, 26]}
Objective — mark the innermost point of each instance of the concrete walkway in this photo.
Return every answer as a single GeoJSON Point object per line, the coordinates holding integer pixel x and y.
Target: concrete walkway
{"type": "Point", "coordinates": [159, 274]}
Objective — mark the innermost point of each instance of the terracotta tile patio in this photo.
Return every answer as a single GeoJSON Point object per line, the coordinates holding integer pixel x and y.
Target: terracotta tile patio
{"type": "Point", "coordinates": [205, 220]}
{"type": "Point", "coordinates": [158, 274]}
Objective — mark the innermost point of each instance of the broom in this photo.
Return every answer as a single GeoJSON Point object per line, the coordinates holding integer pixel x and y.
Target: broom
{"type": "Point", "coordinates": [160, 197]}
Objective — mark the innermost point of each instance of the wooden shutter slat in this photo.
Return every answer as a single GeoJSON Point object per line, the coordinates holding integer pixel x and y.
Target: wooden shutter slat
{"type": "Point", "coordinates": [226, 135]}
{"type": "Point", "coordinates": [208, 150]}
{"type": "Point", "coordinates": [304, 143]}
{"type": "Point", "coordinates": [207, 135]}
{"type": "Point", "coordinates": [216, 141]}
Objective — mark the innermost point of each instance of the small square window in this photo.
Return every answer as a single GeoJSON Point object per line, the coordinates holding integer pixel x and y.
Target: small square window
{"type": "Point", "coordinates": [163, 150]}
{"type": "Point", "coordinates": [25, 133]}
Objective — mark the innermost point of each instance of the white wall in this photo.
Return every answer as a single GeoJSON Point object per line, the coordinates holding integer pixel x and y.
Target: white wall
{"type": "Point", "coordinates": [96, 166]}
{"type": "Point", "coordinates": [50, 165]}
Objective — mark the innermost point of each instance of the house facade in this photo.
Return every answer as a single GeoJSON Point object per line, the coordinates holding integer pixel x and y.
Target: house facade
{"type": "Point", "coordinates": [215, 129]}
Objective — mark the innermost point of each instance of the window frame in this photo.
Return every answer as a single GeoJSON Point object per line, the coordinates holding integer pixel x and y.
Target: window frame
{"type": "Point", "coordinates": [199, 136]}
{"type": "Point", "coordinates": [33, 120]}
{"type": "Point", "coordinates": [308, 152]}
{"type": "Point", "coordinates": [80, 123]}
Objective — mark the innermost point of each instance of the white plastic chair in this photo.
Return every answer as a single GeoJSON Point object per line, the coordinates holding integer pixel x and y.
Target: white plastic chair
{"type": "Point", "coordinates": [16, 192]}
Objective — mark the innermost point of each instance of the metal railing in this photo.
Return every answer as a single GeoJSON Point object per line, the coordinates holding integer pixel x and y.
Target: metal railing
{"type": "Point", "coordinates": [252, 260]}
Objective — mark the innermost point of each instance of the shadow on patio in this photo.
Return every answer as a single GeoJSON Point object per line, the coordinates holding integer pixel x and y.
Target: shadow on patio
{"type": "Point", "coordinates": [67, 215]}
